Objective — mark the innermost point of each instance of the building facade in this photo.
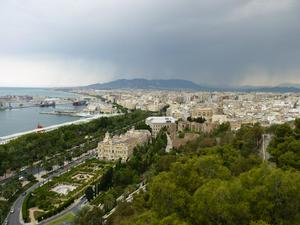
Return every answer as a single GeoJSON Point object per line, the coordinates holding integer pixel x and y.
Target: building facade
{"type": "Point", "coordinates": [159, 122]}
{"type": "Point", "coordinates": [196, 127]}
{"type": "Point", "coordinates": [206, 113]}
{"type": "Point", "coordinates": [121, 147]}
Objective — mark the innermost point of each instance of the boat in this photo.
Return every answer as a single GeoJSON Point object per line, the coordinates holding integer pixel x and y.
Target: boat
{"type": "Point", "coordinates": [79, 103]}
{"type": "Point", "coordinates": [39, 126]}
{"type": "Point", "coordinates": [2, 107]}
{"type": "Point", "coordinates": [47, 103]}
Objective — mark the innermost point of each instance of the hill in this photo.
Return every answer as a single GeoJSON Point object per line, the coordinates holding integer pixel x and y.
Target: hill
{"type": "Point", "coordinates": [171, 84]}
{"type": "Point", "coordinates": [180, 84]}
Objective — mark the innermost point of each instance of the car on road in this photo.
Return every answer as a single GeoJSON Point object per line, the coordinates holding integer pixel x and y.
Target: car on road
{"type": "Point", "coordinates": [12, 210]}
{"type": "Point", "coordinates": [5, 222]}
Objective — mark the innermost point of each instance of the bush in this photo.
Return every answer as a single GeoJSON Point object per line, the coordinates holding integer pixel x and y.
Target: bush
{"type": "Point", "coordinates": [181, 135]}
{"type": "Point", "coordinates": [56, 210]}
{"type": "Point", "coordinates": [25, 212]}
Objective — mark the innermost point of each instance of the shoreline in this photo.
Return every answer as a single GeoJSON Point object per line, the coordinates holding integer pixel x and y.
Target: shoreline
{"type": "Point", "coordinates": [42, 93]}
{"type": "Point", "coordinates": [8, 138]}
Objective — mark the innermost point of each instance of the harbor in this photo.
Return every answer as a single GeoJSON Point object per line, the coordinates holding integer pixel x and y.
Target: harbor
{"type": "Point", "coordinates": [30, 110]}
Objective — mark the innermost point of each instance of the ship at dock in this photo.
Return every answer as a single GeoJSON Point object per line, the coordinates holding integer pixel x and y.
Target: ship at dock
{"type": "Point", "coordinates": [2, 106]}
{"type": "Point", "coordinates": [47, 103]}
{"type": "Point", "coordinates": [80, 103]}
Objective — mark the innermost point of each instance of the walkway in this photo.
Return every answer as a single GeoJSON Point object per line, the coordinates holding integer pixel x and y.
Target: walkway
{"type": "Point", "coordinates": [169, 144]}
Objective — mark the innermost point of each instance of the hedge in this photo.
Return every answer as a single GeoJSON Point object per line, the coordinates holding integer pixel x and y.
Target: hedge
{"type": "Point", "coordinates": [56, 210]}
{"type": "Point", "coordinates": [25, 212]}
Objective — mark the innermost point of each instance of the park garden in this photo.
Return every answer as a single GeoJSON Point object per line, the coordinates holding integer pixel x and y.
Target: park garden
{"type": "Point", "coordinates": [61, 191]}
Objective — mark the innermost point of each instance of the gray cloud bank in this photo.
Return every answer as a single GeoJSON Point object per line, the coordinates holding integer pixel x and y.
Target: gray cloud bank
{"type": "Point", "coordinates": [224, 42]}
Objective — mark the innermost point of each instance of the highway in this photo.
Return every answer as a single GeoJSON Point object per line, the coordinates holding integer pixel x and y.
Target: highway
{"type": "Point", "coordinates": [15, 218]}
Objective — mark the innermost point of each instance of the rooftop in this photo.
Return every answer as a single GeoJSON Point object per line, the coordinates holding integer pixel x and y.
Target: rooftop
{"type": "Point", "coordinates": [161, 119]}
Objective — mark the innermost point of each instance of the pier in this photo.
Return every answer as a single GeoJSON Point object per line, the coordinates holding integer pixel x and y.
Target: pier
{"type": "Point", "coordinates": [66, 113]}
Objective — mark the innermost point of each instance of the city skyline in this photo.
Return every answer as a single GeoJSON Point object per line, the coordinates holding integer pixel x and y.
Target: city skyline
{"type": "Point", "coordinates": [72, 43]}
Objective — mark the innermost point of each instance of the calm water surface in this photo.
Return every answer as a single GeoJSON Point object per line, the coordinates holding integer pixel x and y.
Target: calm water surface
{"type": "Point", "coordinates": [20, 120]}
{"type": "Point", "coordinates": [34, 92]}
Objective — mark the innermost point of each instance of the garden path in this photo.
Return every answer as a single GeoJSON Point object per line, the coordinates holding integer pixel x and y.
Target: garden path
{"type": "Point", "coordinates": [31, 215]}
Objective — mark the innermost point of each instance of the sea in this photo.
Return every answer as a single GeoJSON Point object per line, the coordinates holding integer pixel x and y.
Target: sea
{"type": "Point", "coordinates": [25, 119]}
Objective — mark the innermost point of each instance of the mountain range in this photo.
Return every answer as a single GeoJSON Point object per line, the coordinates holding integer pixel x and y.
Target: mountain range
{"type": "Point", "coordinates": [179, 84]}
{"type": "Point", "coordinates": [170, 84]}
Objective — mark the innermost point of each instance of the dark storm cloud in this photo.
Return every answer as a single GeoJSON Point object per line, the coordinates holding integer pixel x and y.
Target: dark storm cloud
{"type": "Point", "coordinates": [218, 42]}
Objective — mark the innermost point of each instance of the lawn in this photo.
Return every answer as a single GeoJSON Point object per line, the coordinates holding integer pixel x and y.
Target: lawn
{"type": "Point", "coordinates": [66, 218]}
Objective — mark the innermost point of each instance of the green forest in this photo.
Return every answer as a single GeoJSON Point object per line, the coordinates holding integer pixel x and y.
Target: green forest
{"type": "Point", "coordinates": [221, 179]}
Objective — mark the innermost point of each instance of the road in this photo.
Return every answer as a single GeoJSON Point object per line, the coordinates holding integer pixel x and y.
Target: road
{"type": "Point", "coordinates": [74, 208]}
{"type": "Point", "coordinates": [16, 217]}
{"type": "Point", "coordinates": [36, 170]}
{"type": "Point", "coordinates": [266, 141]}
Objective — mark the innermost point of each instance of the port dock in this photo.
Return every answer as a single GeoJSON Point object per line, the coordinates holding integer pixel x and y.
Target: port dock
{"type": "Point", "coordinates": [65, 113]}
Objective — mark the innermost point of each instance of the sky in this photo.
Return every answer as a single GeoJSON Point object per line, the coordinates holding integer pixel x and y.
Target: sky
{"type": "Point", "coordinates": [54, 43]}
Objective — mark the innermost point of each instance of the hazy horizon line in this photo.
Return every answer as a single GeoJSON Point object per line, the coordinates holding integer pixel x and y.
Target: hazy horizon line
{"type": "Point", "coordinates": [205, 85]}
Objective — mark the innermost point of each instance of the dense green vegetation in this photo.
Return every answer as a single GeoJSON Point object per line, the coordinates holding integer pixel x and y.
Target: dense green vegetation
{"type": "Point", "coordinates": [285, 146]}
{"type": "Point", "coordinates": [89, 216]}
{"type": "Point", "coordinates": [25, 207]}
{"type": "Point", "coordinates": [124, 176]}
{"type": "Point", "coordinates": [8, 190]}
{"type": "Point", "coordinates": [40, 146]}
{"type": "Point", "coordinates": [4, 209]}
{"type": "Point", "coordinates": [209, 194]}
{"type": "Point", "coordinates": [218, 179]}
